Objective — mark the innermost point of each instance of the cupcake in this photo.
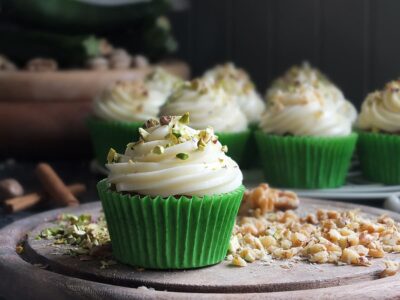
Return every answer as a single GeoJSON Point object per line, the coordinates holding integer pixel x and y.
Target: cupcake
{"type": "Point", "coordinates": [237, 83]}
{"type": "Point", "coordinates": [379, 135]}
{"type": "Point", "coordinates": [305, 74]}
{"type": "Point", "coordinates": [171, 199]}
{"type": "Point", "coordinates": [118, 113]}
{"type": "Point", "coordinates": [210, 105]}
{"type": "Point", "coordinates": [162, 81]}
{"type": "Point", "coordinates": [304, 141]}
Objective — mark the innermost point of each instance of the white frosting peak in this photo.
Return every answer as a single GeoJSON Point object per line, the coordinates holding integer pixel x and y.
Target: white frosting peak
{"type": "Point", "coordinates": [174, 159]}
{"type": "Point", "coordinates": [208, 104]}
{"type": "Point", "coordinates": [129, 101]}
{"type": "Point", "coordinates": [381, 109]}
{"type": "Point", "coordinates": [307, 75]}
{"type": "Point", "coordinates": [303, 111]}
{"type": "Point", "coordinates": [238, 84]}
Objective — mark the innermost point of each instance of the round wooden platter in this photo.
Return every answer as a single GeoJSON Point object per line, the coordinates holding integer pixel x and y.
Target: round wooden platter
{"type": "Point", "coordinates": [43, 271]}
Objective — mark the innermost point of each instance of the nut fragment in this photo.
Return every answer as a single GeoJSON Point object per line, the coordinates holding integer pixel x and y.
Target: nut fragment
{"type": "Point", "coordinates": [41, 65]}
{"type": "Point", "coordinates": [165, 120]}
{"type": "Point", "coordinates": [97, 63]}
{"type": "Point", "coordinates": [392, 267]}
{"type": "Point", "coordinates": [268, 199]}
{"type": "Point", "coordinates": [10, 188]}
{"type": "Point", "coordinates": [120, 59]}
{"type": "Point", "coordinates": [139, 61]}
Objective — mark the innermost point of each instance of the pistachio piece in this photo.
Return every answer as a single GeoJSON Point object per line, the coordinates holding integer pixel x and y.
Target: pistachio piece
{"type": "Point", "coordinates": [224, 148]}
{"type": "Point", "coordinates": [158, 149]}
{"type": "Point", "coordinates": [112, 156]}
{"type": "Point", "coordinates": [185, 119]}
{"type": "Point", "coordinates": [176, 133]}
{"type": "Point", "coordinates": [165, 120]}
{"type": "Point", "coordinates": [183, 156]}
{"type": "Point", "coordinates": [201, 145]}
{"type": "Point", "coordinates": [151, 123]}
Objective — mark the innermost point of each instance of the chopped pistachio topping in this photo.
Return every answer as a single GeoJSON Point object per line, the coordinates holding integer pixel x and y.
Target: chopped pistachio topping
{"type": "Point", "coordinates": [176, 132]}
{"type": "Point", "coordinates": [81, 232]}
{"type": "Point", "coordinates": [182, 156]}
{"type": "Point", "coordinates": [151, 123]}
{"type": "Point", "coordinates": [224, 148]}
{"type": "Point", "coordinates": [201, 144]}
{"type": "Point", "coordinates": [165, 120]}
{"type": "Point", "coordinates": [185, 119]}
{"type": "Point", "coordinates": [143, 133]}
{"type": "Point", "coordinates": [158, 149]}
{"type": "Point", "coordinates": [112, 156]}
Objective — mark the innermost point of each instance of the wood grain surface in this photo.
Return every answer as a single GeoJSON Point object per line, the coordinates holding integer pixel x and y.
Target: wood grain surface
{"type": "Point", "coordinates": [68, 277]}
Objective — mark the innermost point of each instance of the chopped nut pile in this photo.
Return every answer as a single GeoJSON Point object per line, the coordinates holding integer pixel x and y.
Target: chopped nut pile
{"type": "Point", "coordinates": [88, 237]}
{"type": "Point", "coordinates": [327, 236]}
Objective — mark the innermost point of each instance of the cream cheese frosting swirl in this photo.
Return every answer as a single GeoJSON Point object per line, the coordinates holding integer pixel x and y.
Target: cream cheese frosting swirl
{"type": "Point", "coordinates": [208, 104]}
{"type": "Point", "coordinates": [303, 111]}
{"type": "Point", "coordinates": [128, 101]}
{"type": "Point", "coordinates": [173, 159]}
{"type": "Point", "coordinates": [305, 74]}
{"type": "Point", "coordinates": [381, 110]}
{"type": "Point", "coordinates": [238, 84]}
{"type": "Point", "coordinates": [162, 81]}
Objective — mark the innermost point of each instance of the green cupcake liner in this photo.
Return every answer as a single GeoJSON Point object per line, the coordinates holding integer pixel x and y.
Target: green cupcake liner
{"type": "Point", "coordinates": [251, 156]}
{"type": "Point", "coordinates": [169, 233]}
{"type": "Point", "coordinates": [236, 142]}
{"type": "Point", "coordinates": [111, 134]}
{"type": "Point", "coordinates": [305, 162]}
{"type": "Point", "coordinates": [379, 155]}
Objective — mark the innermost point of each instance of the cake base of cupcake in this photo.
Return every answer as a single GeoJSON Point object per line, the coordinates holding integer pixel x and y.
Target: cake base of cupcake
{"type": "Point", "coordinates": [379, 155]}
{"type": "Point", "coordinates": [111, 134]}
{"type": "Point", "coordinates": [304, 161]}
{"type": "Point", "coordinates": [169, 232]}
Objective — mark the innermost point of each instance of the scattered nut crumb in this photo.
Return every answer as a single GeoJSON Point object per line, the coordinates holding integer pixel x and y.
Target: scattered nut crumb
{"type": "Point", "coordinates": [392, 267]}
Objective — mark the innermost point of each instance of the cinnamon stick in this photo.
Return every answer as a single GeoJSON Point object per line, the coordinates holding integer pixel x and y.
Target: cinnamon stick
{"type": "Point", "coordinates": [54, 186]}
{"type": "Point", "coordinates": [20, 203]}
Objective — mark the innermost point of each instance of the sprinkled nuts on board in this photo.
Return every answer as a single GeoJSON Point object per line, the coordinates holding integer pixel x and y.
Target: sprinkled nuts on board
{"type": "Point", "coordinates": [263, 232]}
{"type": "Point", "coordinates": [42, 65]}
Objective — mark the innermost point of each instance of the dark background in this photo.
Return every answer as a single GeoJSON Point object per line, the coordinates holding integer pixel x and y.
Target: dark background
{"type": "Point", "coordinates": [355, 42]}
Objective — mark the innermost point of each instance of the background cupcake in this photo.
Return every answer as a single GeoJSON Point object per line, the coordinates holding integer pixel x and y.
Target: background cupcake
{"type": "Point", "coordinates": [171, 200]}
{"type": "Point", "coordinates": [379, 135]}
{"type": "Point", "coordinates": [210, 105]}
{"type": "Point", "coordinates": [304, 141]}
{"type": "Point", "coordinates": [118, 113]}
{"type": "Point", "coordinates": [305, 74]}
{"type": "Point", "coordinates": [237, 83]}
{"type": "Point", "coordinates": [162, 81]}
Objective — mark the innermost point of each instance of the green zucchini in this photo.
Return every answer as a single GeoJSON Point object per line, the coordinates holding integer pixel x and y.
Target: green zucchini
{"type": "Point", "coordinates": [22, 45]}
{"type": "Point", "coordinates": [84, 15]}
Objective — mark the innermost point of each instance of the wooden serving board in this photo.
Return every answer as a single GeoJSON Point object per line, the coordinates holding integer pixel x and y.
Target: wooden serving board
{"type": "Point", "coordinates": [65, 276]}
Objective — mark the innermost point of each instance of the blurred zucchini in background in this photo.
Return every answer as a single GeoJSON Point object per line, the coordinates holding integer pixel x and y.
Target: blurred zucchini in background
{"type": "Point", "coordinates": [82, 16]}
{"type": "Point", "coordinates": [23, 45]}
{"type": "Point", "coordinates": [154, 38]}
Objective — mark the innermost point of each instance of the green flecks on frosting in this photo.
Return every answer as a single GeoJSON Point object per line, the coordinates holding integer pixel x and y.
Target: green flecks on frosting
{"type": "Point", "coordinates": [185, 119]}
{"type": "Point", "coordinates": [182, 156]}
{"type": "Point", "coordinates": [224, 148]}
{"type": "Point", "coordinates": [158, 149]}
{"type": "Point", "coordinates": [112, 156]}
